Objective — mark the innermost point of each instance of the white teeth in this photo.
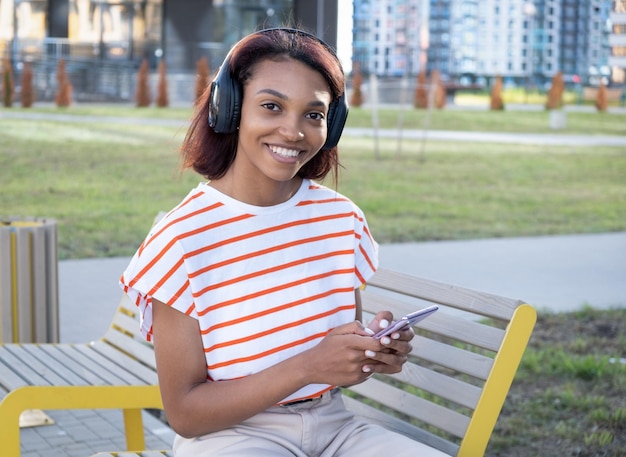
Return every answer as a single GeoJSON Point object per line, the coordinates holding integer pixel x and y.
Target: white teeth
{"type": "Point", "coordinates": [284, 152]}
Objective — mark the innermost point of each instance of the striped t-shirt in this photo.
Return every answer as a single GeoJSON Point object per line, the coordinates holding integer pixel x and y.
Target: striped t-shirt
{"type": "Point", "coordinates": [264, 283]}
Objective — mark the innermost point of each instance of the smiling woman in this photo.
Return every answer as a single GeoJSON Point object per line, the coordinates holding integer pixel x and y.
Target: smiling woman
{"type": "Point", "coordinates": [250, 286]}
{"type": "Point", "coordinates": [283, 126]}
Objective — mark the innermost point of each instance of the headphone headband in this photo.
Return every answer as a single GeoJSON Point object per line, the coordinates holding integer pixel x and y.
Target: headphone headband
{"type": "Point", "coordinates": [227, 95]}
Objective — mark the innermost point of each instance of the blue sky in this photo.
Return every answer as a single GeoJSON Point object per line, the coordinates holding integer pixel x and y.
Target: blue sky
{"type": "Point", "coordinates": [344, 34]}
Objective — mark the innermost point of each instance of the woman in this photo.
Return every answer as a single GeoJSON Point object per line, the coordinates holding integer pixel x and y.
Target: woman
{"type": "Point", "coordinates": [250, 286]}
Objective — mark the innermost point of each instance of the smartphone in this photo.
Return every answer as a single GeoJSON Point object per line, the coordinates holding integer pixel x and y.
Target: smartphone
{"type": "Point", "coordinates": [406, 321]}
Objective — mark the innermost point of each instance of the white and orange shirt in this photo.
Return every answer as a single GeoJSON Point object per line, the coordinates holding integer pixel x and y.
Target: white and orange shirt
{"type": "Point", "coordinates": [264, 283]}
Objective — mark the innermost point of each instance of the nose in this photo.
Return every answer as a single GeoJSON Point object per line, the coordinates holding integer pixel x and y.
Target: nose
{"type": "Point", "coordinates": [291, 130]}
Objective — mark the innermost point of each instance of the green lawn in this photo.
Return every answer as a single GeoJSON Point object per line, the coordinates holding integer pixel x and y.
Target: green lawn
{"type": "Point", "coordinates": [104, 182]}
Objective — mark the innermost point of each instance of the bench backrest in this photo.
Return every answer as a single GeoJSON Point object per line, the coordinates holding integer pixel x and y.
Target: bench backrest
{"type": "Point", "coordinates": [124, 335]}
{"type": "Point", "coordinates": [450, 393]}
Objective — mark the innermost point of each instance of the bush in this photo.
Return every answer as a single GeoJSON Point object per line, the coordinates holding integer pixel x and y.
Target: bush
{"type": "Point", "coordinates": [496, 103]}
{"type": "Point", "coordinates": [440, 91]}
{"type": "Point", "coordinates": [7, 83]}
{"type": "Point", "coordinates": [63, 97]}
{"type": "Point", "coordinates": [142, 96]}
{"type": "Point", "coordinates": [202, 77]}
{"type": "Point", "coordinates": [27, 95]}
{"type": "Point", "coordinates": [162, 100]}
{"type": "Point", "coordinates": [356, 99]}
{"type": "Point", "coordinates": [602, 102]}
{"type": "Point", "coordinates": [555, 94]}
{"type": "Point", "coordinates": [421, 92]}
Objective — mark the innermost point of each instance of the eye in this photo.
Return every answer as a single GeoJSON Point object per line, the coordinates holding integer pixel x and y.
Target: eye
{"type": "Point", "coordinates": [270, 106]}
{"type": "Point", "coordinates": [316, 116]}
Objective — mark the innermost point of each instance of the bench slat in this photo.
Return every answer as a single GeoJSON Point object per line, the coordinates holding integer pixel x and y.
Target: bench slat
{"type": "Point", "coordinates": [24, 352]}
{"type": "Point", "coordinates": [93, 370]}
{"type": "Point", "coordinates": [9, 379]}
{"type": "Point", "coordinates": [413, 406]}
{"type": "Point", "coordinates": [145, 374]}
{"type": "Point", "coordinates": [454, 358]}
{"type": "Point", "coordinates": [458, 328]}
{"type": "Point", "coordinates": [55, 356]}
{"type": "Point", "coordinates": [132, 345]}
{"type": "Point", "coordinates": [104, 365]}
{"type": "Point", "coordinates": [27, 375]}
{"type": "Point", "coordinates": [493, 306]}
{"type": "Point", "coordinates": [439, 384]}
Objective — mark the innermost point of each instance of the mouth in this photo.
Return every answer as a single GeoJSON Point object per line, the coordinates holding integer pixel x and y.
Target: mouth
{"type": "Point", "coordinates": [284, 152]}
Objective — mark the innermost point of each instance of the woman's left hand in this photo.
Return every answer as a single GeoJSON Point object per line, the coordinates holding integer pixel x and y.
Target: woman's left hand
{"type": "Point", "coordinates": [395, 348]}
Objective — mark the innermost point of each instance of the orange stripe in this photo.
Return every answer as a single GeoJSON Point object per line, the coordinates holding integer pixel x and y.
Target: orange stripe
{"type": "Point", "coordinates": [173, 241]}
{"type": "Point", "coordinates": [278, 329]}
{"type": "Point", "coordinates": [276, 309]}
{"type": "Point", "coordinates": [269, 352]}
{"type": "Point", "coordinates": [265, 231]}
{"type": "Point", "coordinates": [273, 289]}
{"type": "Point", "coordinates": [270, 250]}
{"type": "Point", "coordinates": [182, 218]}
{"type": "Point", "coordinates": [326, 200]}
{"type": "Point", "coordinates": [369, 261]}
{"type": "Point", "coordinates": [275, 269]}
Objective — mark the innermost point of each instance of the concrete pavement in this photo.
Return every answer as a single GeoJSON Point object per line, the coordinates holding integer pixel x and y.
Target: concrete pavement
{"type": "Point", "coordinates": [556, 273]}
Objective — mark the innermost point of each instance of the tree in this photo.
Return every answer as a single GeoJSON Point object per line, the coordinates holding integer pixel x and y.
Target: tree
{"type": "Point", "coordinates": [555, 94]}
{"type": "Point", "coordinates": [27, 95]}
{"type": "Point", "coordinates": [602, 102]}
{"type": "Point", "coordinates": [63, 96]}
{"type": "Point", "coordinates": [421, 92]}
{"type": "Point", "coordinates": [162, 100]}
{"type": "Point", "coordinates": [7, 83]}
{"type": "Point", "coordinates": [202, 77]}
{"type": "Point", "coordinates": [496, 102]}
{"type": "Point", "coordinates": [356, 98]}
{"type": "Point", "coordinates": [142, 95]}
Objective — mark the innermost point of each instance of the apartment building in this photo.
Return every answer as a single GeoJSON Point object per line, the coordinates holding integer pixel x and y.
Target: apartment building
{"type": "Point", "coordinates": [617, 42]}
{"type": "Point", "coordinates": [472, 41]}
{"type": "Point", "coordinates": [388, 36]}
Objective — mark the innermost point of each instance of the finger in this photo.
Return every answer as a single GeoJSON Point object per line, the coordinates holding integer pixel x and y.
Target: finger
{"type": "Point", "coordinates": [351, 328]}
{"type": "Point", "coordinates": [380, 321]}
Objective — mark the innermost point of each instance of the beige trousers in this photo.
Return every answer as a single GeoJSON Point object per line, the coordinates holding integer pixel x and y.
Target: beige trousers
{"type": "Point", "coordinates": [319, 428]}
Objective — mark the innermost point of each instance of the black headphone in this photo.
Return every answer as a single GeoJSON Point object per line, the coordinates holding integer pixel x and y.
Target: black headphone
{"type": "Point", "coordinates": [226, 96]}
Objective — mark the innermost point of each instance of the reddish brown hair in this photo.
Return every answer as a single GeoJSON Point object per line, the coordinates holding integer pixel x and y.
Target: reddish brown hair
{"type": "Point", "coordinates": [211, 154]}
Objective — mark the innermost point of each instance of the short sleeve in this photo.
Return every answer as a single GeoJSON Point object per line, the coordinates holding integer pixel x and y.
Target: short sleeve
{"type": "Point", "coordinates": [366, 251]}
{"type": "Point", "coordinates": [157, 270]}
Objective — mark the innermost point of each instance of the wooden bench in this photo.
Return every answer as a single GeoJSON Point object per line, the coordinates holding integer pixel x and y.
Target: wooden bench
{"type": "Point", "coordinates": [117, 371]}
{"type": "Point", "coordinates": [450, 393]}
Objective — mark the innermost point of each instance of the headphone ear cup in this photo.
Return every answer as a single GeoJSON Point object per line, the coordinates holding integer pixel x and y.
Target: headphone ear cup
{"type": "Point", "coordinates": [337, 116]}
{"type": "Point", "coordinates": [224, 101]}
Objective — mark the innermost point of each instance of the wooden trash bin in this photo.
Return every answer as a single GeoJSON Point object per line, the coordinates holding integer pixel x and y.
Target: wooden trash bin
{"type": "Point", "coordinates": [29, 283]}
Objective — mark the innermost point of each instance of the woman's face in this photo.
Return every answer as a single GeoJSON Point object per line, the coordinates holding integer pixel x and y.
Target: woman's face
{"type": "Point", "coordinates": [283, 119]}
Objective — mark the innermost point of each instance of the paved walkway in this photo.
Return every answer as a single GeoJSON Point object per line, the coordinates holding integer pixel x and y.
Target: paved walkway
{"type": "Point", "coordinates": [554, 139]}
{"type": "Point", "coordinates": [555, 273]}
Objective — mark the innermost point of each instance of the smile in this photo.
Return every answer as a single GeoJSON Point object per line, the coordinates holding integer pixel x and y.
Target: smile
{"type": "Point", "coordinates": [284, 152]}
